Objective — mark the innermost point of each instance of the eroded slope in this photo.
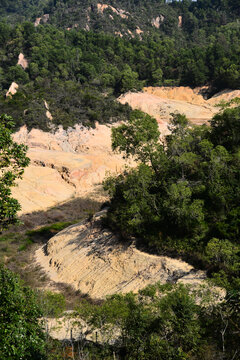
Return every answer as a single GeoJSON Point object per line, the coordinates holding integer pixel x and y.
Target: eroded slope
{"type": "Point", "coordinates": [93, 260]}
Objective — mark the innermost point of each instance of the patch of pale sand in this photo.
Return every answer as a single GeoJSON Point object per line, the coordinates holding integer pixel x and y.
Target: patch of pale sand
{"type": "Point", "coordinates": [12, 89]}
{"type": "Point", "coordinates": [68, 327]}
{"type": "Point", "coordinates": [22, 61]}
{"type": "Point", "coordinates": [160, 102]}
{"type": "Point", "coordinates": [181, 93]}
{"type": "Point", "coordinates": [161, 108]}
{"type": "Point", "coordinates": [225, 95]}
{"type": "Point", "coordinates": [41, 188]}
{"type": "Point", "coordinates": [192, 96]}
{"type": "Point", "coordinates": [81, 157]}
{"type": "Point", "coordinates": [94, 261]}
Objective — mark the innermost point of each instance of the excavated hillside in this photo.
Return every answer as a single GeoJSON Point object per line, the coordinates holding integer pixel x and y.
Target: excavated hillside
{"type": "Point", "coordinates": [73, 163]}
{"type": "Point", "coordinates": [160, 102]}
{"type": "Point", "coordinates": [65, 165]}
{"type": "Point", "coordinates": [93, 260]}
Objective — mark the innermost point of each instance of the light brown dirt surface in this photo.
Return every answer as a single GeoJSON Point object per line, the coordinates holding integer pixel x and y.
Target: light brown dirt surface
{"type": "Point", "coordinates": [160, 102]}
{"type": "Point", "coordinates": [12, 89]}
{"type": "Point", "coordinates": [225, 95]}
{"type": "Point", "coordinates": [41, 188]}
{"type": "Point", "coordinates": [94, 261]}
{"type": "Point", "coordinates": [22, 61]}
{"type": "Point", "coordinates": [64, 165]}
{"type": "Point", "coordinates": [73, 163]}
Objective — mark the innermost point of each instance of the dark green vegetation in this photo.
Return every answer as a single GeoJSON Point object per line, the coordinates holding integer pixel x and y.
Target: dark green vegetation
{"type": "Point", "coordinates": [13, 160]}
{"type": "Point", "coordinates": [79, 73]}
{"type": "Point", "coordinates": [21, 336]}
{"type": "Point", "coordinates": [182, 198]}
{"type": "Point", "coordinates": [184, 195]}
{"type": "Point", "coordinates": [199, 18]}
{"type": "Point", "coordinates": [164, 322]}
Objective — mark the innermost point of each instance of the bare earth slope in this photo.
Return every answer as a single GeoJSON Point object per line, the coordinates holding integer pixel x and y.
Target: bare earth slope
{"type": "Point", "coordinates": [64, 165]}
{"type": "Point", "coordinates": [73, 163]}
{"type": "Point", "coordinates": [94, 261]}
{"type": "Point", "coordinates": [160, 102]}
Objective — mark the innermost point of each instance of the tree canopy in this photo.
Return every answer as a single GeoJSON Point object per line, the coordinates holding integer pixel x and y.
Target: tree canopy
{"type": "Point", "coordinates": [21, 335]}
{"type": "Point", "coordinates": [185, 191]}
{"type": "Point", "coordinates": [13, 160]}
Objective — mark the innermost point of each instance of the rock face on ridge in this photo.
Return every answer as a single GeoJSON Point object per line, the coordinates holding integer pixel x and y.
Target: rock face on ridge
{"type": "Point", "coordinates": [93, 260]}
{"type": "Point", "coordinates": [22, 61]}
{"type": "Point", "coordinates": [12, 89]}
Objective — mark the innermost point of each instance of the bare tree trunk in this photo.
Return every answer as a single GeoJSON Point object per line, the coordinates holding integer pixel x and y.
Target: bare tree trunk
{"type": "Point", "coordinates": [72, 345]}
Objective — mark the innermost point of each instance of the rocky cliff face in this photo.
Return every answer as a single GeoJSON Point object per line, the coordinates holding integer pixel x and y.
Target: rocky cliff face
{"type": "Point", "coordinates": [93, 260]}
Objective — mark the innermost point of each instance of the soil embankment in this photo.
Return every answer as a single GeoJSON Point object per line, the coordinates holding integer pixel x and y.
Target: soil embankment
{"type": "Point", "coordinates": [93, 260]}
{"type": "Point", "coordinates": [72, 163]}
{"type": "Point", "coordinates": [65, 165]}
{"type": "Point", "coordinates": [160, 102]}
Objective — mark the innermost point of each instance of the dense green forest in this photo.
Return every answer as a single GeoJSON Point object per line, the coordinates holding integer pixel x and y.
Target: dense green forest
{"type": "Point", "coordinates": [198, 16]}
{"type": "Point", "coordinates": [183, 197]}
{"type": "Point", "coordinates": [80, 73]}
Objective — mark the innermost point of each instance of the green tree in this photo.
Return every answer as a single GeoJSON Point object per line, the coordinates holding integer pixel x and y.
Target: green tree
{"type": "Point", "coordinates": [138, 137]}
{"type": "Point", "coordinates": [149, 326]}
{"type": "Point", "coordinates": [21, 336]}
{"type": "Point", "coordinates": [129, 80]}
{"type": "Point", "coordinates": [226, 129]}
{"type": "Point", "coordinates": [13, 160]}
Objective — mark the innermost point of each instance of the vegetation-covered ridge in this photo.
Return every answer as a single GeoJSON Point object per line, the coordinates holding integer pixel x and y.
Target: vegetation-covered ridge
{"type": "Point", "coordinates": [79, 73]}
{"type": "Point", "coordinates": [131, 18]}
{"type": "Point", "coordinates": [184, 195]}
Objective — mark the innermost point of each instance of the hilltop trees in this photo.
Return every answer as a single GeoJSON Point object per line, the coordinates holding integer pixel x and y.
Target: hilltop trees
{"type": "Point", "coordinates": [73, 64]}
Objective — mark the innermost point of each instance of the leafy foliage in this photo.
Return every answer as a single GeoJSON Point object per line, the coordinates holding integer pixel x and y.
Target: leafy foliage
{"type": "Point", "coordinates": [185, 191]}
{"type": "Point", "coordinates": [21, 336]}
{"type": "Point", "coordinates": [13, 160]}
{"type": "Point", "coordinates": [164, 322]}
{"type": "Point", "coordinates": [79, 73]}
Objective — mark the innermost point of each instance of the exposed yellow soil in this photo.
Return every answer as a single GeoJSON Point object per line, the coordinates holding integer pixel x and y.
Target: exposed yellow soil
{"type": "Point", "coordinates": [73, 163]}
{"type": "Point", "coordinates": [64, 165]}
{"type": "Point", "coordinates": [94, 261]}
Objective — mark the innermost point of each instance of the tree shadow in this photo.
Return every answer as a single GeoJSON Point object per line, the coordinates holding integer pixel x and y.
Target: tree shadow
{"type": "Point", "coordinates": [70, 211]}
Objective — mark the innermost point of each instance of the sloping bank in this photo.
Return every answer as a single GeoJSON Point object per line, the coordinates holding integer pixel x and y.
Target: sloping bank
{"type": "Point", "coordinates": [93, 260]}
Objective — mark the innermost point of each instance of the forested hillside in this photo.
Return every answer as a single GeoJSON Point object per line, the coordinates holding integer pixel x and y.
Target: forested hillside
{"type": "Point", "coordinates": [100, 50]}
{"type": "Point", "coordinates": [127, 16]}
{"type": "Point", "coordinates": [79, 73]}
{"type": "Point", "coordinates": [67, 61]}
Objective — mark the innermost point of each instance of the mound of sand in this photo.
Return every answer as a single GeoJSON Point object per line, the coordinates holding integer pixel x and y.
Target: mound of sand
{"type": "Point", "coordinates": [94, 261]}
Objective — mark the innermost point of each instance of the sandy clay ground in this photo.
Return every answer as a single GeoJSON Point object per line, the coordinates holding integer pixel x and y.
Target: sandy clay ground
{"type": "Point", "coordinates": [73, 163]}
{"type": "Point", "coordinates": [64, 166]}
{"type": "Point", "coordinates": [94, 261]}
